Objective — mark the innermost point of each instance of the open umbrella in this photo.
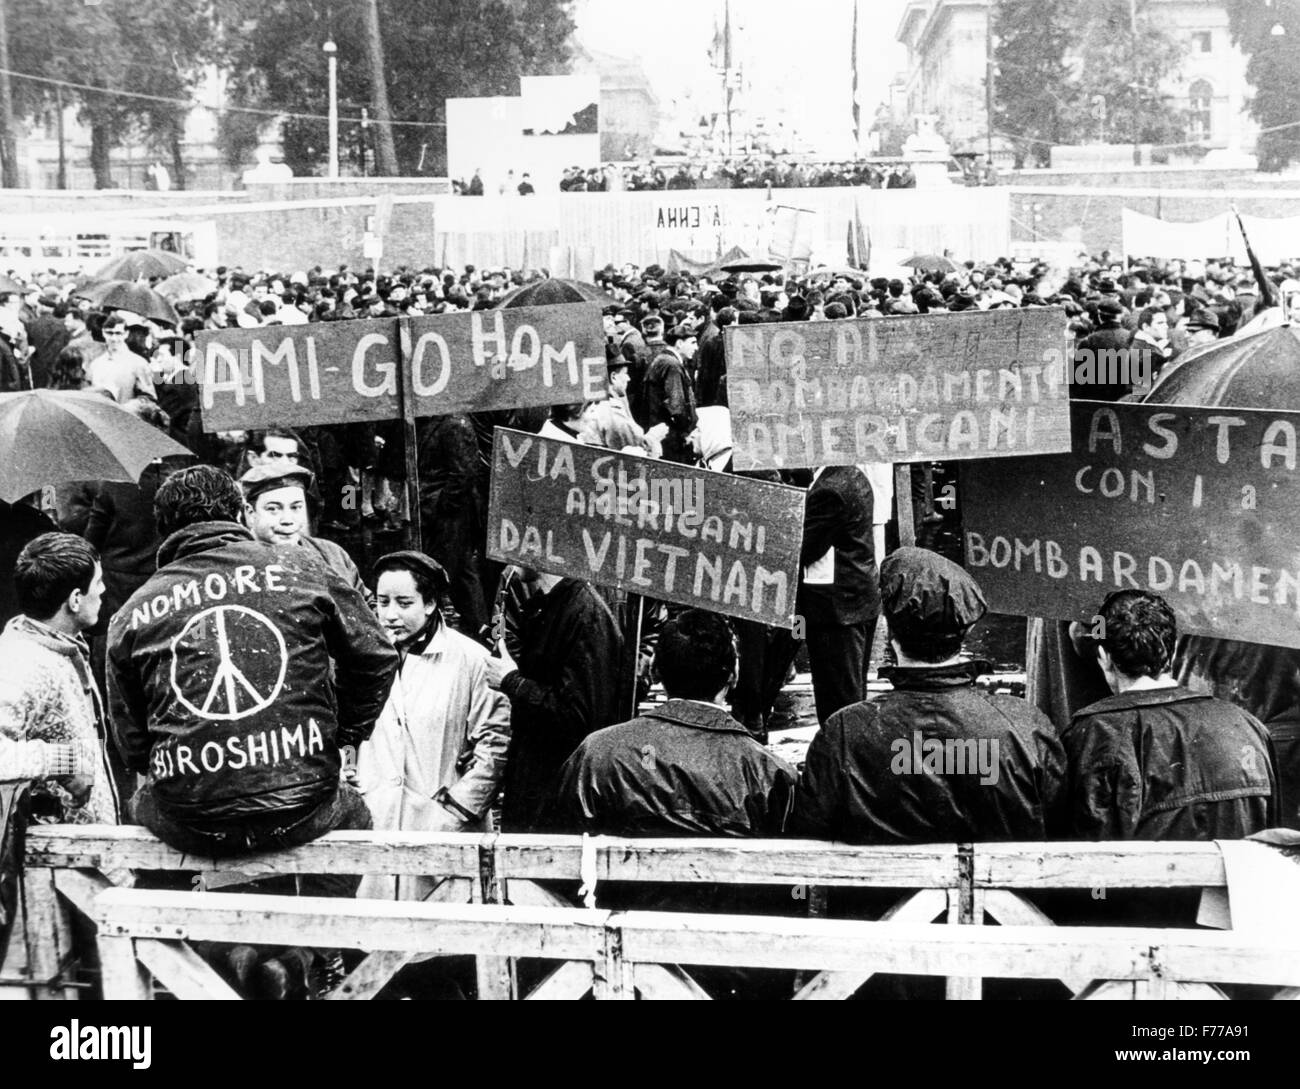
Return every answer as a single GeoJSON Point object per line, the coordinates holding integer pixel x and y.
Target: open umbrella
{"type": "Point", "coordinates": [56, 436]}
{"type": "Point", "coordinates": [752, 264]}
{"type": "Point", "coordinates": [1259, 370]}
{"type": "Point", "coordinates": [553, 292]}
{"type": "Point", "coordinates": [140, 264]}
{"type": "Point", "coordinates": [186, 287]}
{"type": "Point", "coordinates": [136, 297]}
{"type": "Point", "coordinates": [930, 262]}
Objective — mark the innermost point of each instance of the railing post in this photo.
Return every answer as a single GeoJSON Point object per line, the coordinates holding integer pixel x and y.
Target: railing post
{"type": "Point", "coordinates": [612, 975]}
{"type": "Point", "coordinates": [497, 977]}
{"type": "Point", "coordinates": [123, 975]}
{"type": "Point", "coordinates": [965, 908]}
{"type": "Point", "coordinates": [48, 933]}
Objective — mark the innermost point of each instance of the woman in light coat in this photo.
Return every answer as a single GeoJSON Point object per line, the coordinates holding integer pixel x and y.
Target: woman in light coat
{"type": "Point", "coordinates": [435, 760]}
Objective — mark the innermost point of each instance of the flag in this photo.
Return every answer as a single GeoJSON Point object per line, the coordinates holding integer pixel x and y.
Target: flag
{"type": "Point", "coordinates": [857, 110]}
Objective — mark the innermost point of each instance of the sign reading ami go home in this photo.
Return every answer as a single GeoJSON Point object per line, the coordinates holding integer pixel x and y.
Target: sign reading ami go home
{"type": "Point", "coordinates": [349, 371]}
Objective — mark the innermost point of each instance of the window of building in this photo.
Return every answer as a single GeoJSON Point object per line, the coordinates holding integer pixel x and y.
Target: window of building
{"type": "Point", "coordinates": [1200, 98]}
{"type": "Point", "coordinates": [1203, 41]}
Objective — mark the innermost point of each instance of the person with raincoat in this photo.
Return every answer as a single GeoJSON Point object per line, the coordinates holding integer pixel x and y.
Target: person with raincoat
{"type": "Point", "coordinates": [437, 755]}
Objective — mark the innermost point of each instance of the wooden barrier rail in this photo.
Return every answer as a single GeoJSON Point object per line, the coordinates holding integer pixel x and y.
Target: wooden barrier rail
{"type": "Point", "coordinates": [960, 883]}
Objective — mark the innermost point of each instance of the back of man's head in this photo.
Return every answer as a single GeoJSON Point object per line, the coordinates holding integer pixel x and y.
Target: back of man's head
{"type": "Point", "coordinates": [653, 327]}
{"type": "Point", "coordinates": [1139, 632]}
{"type": "Point", "coordinates": [696, 656]}
{"type": "Point", "coordinates": [49, 568]}
{"type": "Point", "coordinates": [200, 493]}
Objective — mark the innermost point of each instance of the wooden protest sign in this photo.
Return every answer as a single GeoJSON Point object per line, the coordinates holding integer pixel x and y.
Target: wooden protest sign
{"type": "Point", "coordinates": [1200, 505]}
{"type": "Point", "coordinates": [927, 387]}
{"type": "Point", "coordinates": [696, 537]}
{"type": "Point", "coordinates": [349, 371]}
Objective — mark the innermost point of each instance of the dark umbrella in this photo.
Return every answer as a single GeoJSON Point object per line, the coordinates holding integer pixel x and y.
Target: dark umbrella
{"type": "Point", "coordinates": [930, 262]}
{"type": "Point", "coordinates": [136, 297]}
{"type": "Point", "coordinates": [56, 436]}
{"type": "Point", "coordinates": [752, 264]}
{"type": "Point", "coordinates": [553, 292]}
{"type": "Point", "coordinates": [141, 264]}
{"type": "Point", "coordinates": [1260, 370]}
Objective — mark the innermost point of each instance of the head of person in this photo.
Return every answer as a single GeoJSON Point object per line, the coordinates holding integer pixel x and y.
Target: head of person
{"type": "Point", "coordinates": [196, 494]}
{"type": "Point", "coordinates": [683, 338]}
{"type": "Point", "coordinates": [1136, 632]}
{"type": "Point", "coordinates": [1154, 321]}
{"type": "Point", "coordinates": [1203, 327]}
{"type": "Point", "coordinates": [69, 370]}
{"type": "Point", "coordinates": [618, 377]}
{"type": "Point", "coordinates": [696, 657]}
{"type": "Point", "coordinates": [74, 321]}
{"type": "Point", "coordinates": [407, 585]}
{"type": "Point", "coordinates": [274, 447]}
{"type": "Point", "coordinates": [930, 604]}
{"type": "Point", "coordinates": [652, 328]}
{"type": "Point", "coordinates": [114, 332]}
{"type": "Point", "coordinates": [58, 581]}
{"type": "Point", "coordinates": [275, 502]}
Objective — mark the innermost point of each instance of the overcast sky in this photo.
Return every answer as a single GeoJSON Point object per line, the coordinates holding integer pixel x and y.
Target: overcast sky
{"type": "Point", "coordinates": [796, 53]}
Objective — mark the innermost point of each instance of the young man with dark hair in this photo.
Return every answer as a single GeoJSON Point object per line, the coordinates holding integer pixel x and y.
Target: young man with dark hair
{"type": "Point", "coordinates": [686, 767]}
{"type": "Point", "coordinates": [51, 715]}
{"type": "Point", "coordinates": [219, 683]}
{"type": "Point", "coordinates": [1155, 760]}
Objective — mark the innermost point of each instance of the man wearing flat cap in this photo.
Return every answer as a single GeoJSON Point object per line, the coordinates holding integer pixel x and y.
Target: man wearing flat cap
{"type": "Point", "coordinates": [275, 498]}
{"type": "Point", "coordinates": [935, 760]}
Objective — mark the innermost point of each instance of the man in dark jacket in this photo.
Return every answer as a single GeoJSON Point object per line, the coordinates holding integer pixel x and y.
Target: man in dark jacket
{"type": "Point", "coordinates": [1155, 760]}
{"type": "Point", "coordinates": [839, 595]}
{"type": "Point", "coordinates": [669, 396]}
{"type": "Point", "coordinates": [218, 679]}
{"type": "Point", "coordinates": [564, 687]}
{"type": "Point", "coordinates": [451, 516]}
{"type": "Point", "coordinates": [936, 760]}
{"type": "Point", "coordinates": [685, 767]}
{"type": "Point", "coordinates": [1101, 369]}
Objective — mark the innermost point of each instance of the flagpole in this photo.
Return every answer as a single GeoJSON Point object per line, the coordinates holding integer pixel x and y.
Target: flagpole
{"type": "Point", "coordinates": [857, 110]}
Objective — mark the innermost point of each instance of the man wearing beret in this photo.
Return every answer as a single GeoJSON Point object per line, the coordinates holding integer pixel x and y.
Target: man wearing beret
{"type": "Point", "coordinates": [936, 760]}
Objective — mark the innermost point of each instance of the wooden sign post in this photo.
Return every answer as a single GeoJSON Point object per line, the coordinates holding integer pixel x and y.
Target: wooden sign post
{"type": "Point", "coordinates": [1199, 505]}
{"type": "Point", "coordinates": [672, 532]}
{"type": "Point", "coordinates": [930, 387]}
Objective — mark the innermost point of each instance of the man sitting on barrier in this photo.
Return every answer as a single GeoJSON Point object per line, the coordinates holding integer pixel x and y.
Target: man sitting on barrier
{"type": "Point", "coordinates": [218, 679]}
{"type": "Point", "coordinates": [936, 760]}
{"type": "Point", "coordinates": [1156, 760]}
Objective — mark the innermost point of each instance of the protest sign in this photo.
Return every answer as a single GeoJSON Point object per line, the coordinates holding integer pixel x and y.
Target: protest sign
{"type": "Point", "coordinates": [928, 387]}
{"type": "Point", "coordinates": [349, 371]}
{"type": "Point", "coordinates": [667, 531]}
{"type": "Point", "coordinates": [1200, 505]}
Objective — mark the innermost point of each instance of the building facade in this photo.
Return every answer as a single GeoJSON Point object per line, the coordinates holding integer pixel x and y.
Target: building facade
{"type": "Point", "coordinates": [947, 56]}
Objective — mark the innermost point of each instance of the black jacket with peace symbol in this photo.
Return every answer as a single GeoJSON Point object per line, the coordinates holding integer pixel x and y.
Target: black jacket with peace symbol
{"type": "Point", "coordinates": [219, 675]}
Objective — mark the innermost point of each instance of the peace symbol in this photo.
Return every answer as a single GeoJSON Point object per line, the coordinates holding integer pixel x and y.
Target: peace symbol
{"type": "Point", "coordinates": [216, 686]}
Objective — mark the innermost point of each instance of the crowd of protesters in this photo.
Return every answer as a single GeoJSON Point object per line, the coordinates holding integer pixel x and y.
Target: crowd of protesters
{"type": "Point", "coordinates": [747, 173]}
{"type": "Point", "coordinates": [436, 691]}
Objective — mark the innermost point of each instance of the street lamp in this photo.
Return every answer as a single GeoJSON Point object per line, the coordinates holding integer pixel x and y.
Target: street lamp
{"type": "Point", "coordinates": [331, 54]}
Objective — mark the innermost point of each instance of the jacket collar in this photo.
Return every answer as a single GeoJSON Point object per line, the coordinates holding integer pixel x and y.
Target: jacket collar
{"type": "Point", "coordinates": [69, 646]}
{"type": "Point", "coordinates": [701, 716]}
{"type": "Point", "coordinates": [957, 675]}
{"type": "Point", "coordinates": [1147, 697]}
{"type": "Point", "coordinates": [200, 537]}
